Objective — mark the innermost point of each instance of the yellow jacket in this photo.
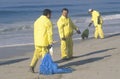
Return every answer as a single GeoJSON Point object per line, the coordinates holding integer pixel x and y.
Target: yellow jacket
{"type": "Point", "coordinates": [43, 31]}
{"type": "Point", "coordinates": [65, 27]}
{"type": "Point", "coordinates": [96, 18]}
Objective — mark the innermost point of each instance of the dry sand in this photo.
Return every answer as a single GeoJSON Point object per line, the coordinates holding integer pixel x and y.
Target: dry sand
{"type": "Point", "coordinates": [94, 59]}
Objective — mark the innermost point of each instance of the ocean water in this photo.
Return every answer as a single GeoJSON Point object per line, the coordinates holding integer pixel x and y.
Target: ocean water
{"type": "Point", "coordinates": [17, 17]}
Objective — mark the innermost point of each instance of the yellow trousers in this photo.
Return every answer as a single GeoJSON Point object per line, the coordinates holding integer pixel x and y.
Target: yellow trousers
{"type": "Point", "coordinates": [67, 48]}
{"type": "Point", "coordinates": [39, 52]}
{"type": "Point", "coordinates": [98, 31]}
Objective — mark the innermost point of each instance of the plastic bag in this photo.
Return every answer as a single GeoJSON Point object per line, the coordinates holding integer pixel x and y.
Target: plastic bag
{"type": "Point", "coordinates": [48, 67]}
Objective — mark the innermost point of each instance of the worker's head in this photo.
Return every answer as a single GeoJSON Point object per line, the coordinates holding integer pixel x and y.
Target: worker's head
{"type": "Point", "coordinates": [47, 13]}
{"type": "Point", "coordinates": [65, 12]}
{"type": "Point", "coordinates": [90, 11]}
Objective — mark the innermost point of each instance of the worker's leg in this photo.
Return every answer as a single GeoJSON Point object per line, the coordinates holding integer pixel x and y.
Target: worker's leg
{"type": "Point", "coordinates": [96, 32]}
{"type": "Point", "coordinates": [39, 52]}
{"type": "Point", "coordinates": [44, 51]}
{"type": "Point", "coordinates": [100, 31]}
{"type": "Point", "coordinates": [36, 56]}
{"type": "Point", "coordinates": [63, 49]}
{"type": "Point", "coordinates": [70, 47]}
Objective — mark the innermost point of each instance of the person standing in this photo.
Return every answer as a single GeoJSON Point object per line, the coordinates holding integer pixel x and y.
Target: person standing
{"type": "Point", "coordinates": [42, 37]}
{"type": "Point", "coordinates": [97, 21]}
{"type": "Point", "coordinates": [66, 28]}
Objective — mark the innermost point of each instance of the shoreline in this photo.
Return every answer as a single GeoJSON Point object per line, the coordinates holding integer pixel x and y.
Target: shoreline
{"type": "Point", "coordinates": [56, 41]}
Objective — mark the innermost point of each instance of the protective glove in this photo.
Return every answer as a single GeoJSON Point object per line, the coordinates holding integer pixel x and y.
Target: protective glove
{"type": "Point", "coordinates": [49, 46]}
{"type": "Point", "coordinates": [89, 24]}
{"type": "Point", "coordinates": [78, 31]}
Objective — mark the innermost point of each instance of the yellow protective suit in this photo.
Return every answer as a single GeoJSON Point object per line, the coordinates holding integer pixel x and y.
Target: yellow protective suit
{"type": "Point", "coordinates": [65, 28]}
{"type": "Point", "coordinates": [42, 38]}
{"type": "Point", "coordinates": [97, 21]}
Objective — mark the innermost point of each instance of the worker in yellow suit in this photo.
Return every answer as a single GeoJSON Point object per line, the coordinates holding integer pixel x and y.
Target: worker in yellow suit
{"type": "Point", "coordinates": [66, 28]}
{"type": "Point", "coordinates": [97, 21]}
{"type": "Point", "coordinates": [42, 37]}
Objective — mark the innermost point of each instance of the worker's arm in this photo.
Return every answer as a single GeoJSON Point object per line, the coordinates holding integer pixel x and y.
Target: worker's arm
{"type": "Point", "coordinates": [61, 29]}
{"type": "Point", "coordinates": [75, 27]}
{"type": "Point", "coordinates": [50, 32]}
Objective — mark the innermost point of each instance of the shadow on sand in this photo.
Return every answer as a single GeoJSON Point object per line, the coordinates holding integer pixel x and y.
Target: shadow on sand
{"type": "Point", "coordinates": [117, 34]}
{"type": "Point", "coordinates": [82, 62]}
{"type": "Point", "coordinates": [12, 61]}
{"type": "Point", "coordinates": [95, 52]}
{"type": "Point", "coordinates": [91, 53]}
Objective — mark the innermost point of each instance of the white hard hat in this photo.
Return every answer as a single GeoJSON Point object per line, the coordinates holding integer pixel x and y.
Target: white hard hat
{"type": "Point", "coordinates": [90, 10]}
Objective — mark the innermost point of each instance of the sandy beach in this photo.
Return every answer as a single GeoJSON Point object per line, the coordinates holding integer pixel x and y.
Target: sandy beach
{"type": "Point", "coordinates": [93, 59]}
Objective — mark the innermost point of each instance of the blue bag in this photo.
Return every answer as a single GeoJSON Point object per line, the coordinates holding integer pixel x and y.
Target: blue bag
{"type": "Point", "coordinates": [48, 67]}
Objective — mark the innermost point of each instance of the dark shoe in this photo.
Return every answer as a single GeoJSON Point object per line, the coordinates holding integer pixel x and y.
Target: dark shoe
{"type": "Point", "coordinates": [32, 69]}
{"type": "Point", "coordinates": [65, 58]}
